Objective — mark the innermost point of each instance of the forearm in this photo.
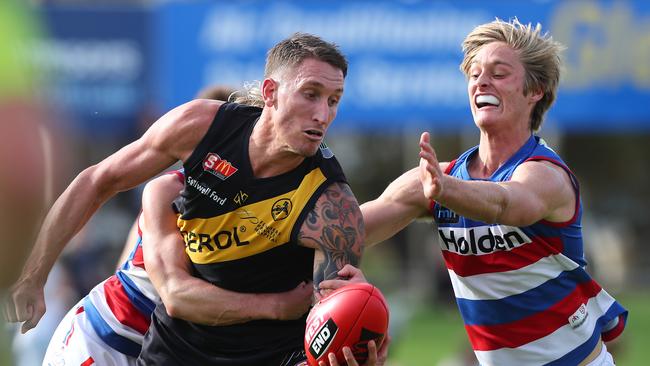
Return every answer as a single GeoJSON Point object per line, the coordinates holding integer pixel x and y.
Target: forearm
{"type": "Point", "coordinates": [65, 219]}
{"type": "Point", "coordinates": [198, 301]}
{"type": "Point", "coordinates": [335, 228]}
{"type": "Point", "coordinates": [478, 200]}
{"type": "Point", "coordinates": [383, 219]}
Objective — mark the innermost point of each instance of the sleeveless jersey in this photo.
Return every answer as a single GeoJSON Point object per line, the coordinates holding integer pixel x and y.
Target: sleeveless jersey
{"type": "Point", "coordinates": [241, 234]}
{"type": "Point", "coordinates": [119, 308]}
{"type": "Point", "coordinates": [523, 292]}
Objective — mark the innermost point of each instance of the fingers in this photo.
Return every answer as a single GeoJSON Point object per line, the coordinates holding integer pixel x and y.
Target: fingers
{"type": "Point", "coordinates": [382, 355]}
{"type": "Point", "coordinates": [332, 284]}
{"type": "Point", "coordinates": [349, 357]}
{"type": "Point", "coordinates": [348, 271]}
{"type": "Point", "coordinates": [8, 310]}
{"type": "Point", "coordinates": [36, 313]}
{"type": "Point", "coordinates": [372, 354]}
{"type": "Point", "coordinates": [425, 138]}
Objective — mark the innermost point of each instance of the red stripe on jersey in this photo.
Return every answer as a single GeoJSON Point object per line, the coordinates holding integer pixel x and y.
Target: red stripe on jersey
{"type": "Point", "coordinates": [502, 260]}
{"type": "Point", "coordinates": [88, 362]}
{"type": "Point", "coordinates": [122, 307]}
{"type": "Point", "coordinates": [613, 333]}
{"type": "Point", "coordinates": [138, 258]}
{"type": "Point", "coordinates": [520, 332]}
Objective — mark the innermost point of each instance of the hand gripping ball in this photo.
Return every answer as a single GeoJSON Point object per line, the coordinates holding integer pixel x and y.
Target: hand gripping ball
{"type": "Point", "coordinates": [350, 316]}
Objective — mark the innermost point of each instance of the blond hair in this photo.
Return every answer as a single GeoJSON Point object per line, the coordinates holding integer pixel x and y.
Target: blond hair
{"type": "Point", "coordinates": [539, 54]}
{"type": "Point", "coordinates": [250, 95]}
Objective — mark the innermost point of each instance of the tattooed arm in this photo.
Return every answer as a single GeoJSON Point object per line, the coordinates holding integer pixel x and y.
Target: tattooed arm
{"type": "Point", "coordinates": [335, 229]}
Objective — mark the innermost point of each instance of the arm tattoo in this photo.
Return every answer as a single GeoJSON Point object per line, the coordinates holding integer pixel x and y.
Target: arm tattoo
{"type": "Point", "coordinates": [335, 228]}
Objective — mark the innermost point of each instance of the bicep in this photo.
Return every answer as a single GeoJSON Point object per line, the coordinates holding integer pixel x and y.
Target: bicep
{"type": "Point", "coordinates": [171, 138]}
{"type": "Point", "coordinates": [335, 229]}
{"type": "Point", "coordinates": [538, 191]}
{"type": "Point", "coordinates": [163, 244]}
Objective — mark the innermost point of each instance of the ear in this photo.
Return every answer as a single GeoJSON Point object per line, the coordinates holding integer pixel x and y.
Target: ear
{"type": "Point", "coordinates": [269, 92]}
{"type": "Point", "coordinates": [536, 95]}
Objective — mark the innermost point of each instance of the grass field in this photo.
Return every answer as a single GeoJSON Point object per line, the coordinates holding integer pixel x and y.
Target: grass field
{"type": "Point", "coordinates": [435, 335]}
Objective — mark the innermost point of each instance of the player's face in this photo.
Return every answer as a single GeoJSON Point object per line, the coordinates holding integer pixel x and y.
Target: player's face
{"type": "Point", "coordinates": [496, 89]}
{"type": "Point", "coordinates": [308, 99]}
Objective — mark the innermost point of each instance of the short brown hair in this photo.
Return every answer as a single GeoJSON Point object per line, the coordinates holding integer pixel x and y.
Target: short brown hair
{"type": "Point", "coordinates": [538, 52]}
{"type": "Point", "coordinates": [294, 50]}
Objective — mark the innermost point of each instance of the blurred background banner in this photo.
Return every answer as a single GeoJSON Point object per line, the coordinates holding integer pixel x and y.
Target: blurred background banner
{"type": "Point", "coordinates": [109, 68]}
{"type": "Point", "coordinates": [98, 60]}
{"type": "Point", "coordinates": [404, 56]}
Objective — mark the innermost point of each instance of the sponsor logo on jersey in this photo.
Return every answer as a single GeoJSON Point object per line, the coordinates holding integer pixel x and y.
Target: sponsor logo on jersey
{"type": "Point", "coordinates": [446, 216]}
{"type": "Point", "coordinates": [261, 228]}
{"type": "Point", "coordinates": [205, 190]}
{"type": "Point", "coordinates": [281, 209]}
{"type": "Point", "coordinates": [327, 153]}
{"type": "Point", "coordinates": [481, 239]}
{"type": "Point", "coordinates": [579, 317]}
{"type": "Point", "coordinates": [240, 198]}
{"type": "Point", "coordinates": [221, 168]}
{"type": "Point", "coordinates": [198, 242]}
{"type": "Point", "coordinates": [320, 335]}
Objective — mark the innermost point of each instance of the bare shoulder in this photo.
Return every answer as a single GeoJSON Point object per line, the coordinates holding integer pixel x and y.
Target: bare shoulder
{"type": "Point", "coordinates": [557, 195]}
{"type": "Point", "coordinates": [181, 129]}
{"type": "Point", "coordinates": [553, 175]}
{"type": "Point", "coordinates": [335, 225]}
{"type": "Point", "coordinates": [167, 184]}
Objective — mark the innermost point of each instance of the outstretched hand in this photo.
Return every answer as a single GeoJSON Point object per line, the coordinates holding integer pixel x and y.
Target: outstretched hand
{"type": "Point", "coordinates": [347, 276]}
{"type": "Point", "coordinates": [431, 176]}
{"type": "Point", "coordinates": [24, 303]}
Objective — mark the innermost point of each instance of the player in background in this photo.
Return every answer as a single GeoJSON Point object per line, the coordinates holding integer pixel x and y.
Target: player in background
{"type": "Point", "coordinates": [508, 213]}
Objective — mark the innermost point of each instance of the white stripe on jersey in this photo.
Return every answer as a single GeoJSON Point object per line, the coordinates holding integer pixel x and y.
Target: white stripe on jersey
{"type": "Point", "coordinates": [98, 298]}
{"type": "Point", "coordinates": [493, 286]}
{"type": "Point", "coordinates": [554, 345]}
{"type": "Point", "coordinates": [141, 279]}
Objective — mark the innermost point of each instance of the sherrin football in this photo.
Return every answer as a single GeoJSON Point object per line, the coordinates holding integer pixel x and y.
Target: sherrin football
{"type": "Point", "coordinates": [350, 316]}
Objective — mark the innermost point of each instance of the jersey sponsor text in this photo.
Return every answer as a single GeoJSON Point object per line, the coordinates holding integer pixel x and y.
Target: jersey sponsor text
{"type": "Point", "coordinates": [482, 239]}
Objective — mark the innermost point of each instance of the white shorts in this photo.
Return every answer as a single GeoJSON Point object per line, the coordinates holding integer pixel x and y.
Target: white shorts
{"type": "Point", "coordinates": [75, 343]}
{"type": "Point", "coordinates": [604, 358]}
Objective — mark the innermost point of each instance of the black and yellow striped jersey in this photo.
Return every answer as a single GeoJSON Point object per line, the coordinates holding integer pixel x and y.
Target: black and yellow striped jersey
{"type": "Point", "coordinates": [241, 234]}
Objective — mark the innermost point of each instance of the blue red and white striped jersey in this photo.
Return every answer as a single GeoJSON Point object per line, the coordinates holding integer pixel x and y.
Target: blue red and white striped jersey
{"type": "Point", "coordinates": [523, 292]}
{"type": "Point", "coordinates": [120, 307]}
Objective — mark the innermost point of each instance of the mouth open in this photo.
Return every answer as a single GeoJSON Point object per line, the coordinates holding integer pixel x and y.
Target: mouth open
{"type": "Point", "coordinates": [486, 100]}
{"type": "Point", "coordinates": [314, 133]}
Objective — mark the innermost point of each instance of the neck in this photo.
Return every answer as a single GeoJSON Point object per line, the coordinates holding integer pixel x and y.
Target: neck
{"type": "Point", "coordinates": [495, 149]}
{"type": "Point", "coordinates": [267, 157]}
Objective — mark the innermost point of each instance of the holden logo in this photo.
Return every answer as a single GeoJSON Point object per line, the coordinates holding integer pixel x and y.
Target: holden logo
{"type": "Point", "coordinates": [281, 209]}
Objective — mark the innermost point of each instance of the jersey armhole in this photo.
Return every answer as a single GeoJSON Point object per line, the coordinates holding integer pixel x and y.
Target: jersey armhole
{"type": "Point", "coordinates": [576, 190]}
{"type": "Point", "coordinates": [202, 148]}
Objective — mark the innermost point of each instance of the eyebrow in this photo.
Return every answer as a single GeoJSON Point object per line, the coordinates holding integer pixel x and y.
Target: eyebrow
{"type": "Point", "coordinates": [495, 63]}
{"type": "Point", "coordinates": [318, 84]}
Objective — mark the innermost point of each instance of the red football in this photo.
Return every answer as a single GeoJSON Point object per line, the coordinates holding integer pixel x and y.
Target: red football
{"type": "Point", "coordinates": [351, 316]}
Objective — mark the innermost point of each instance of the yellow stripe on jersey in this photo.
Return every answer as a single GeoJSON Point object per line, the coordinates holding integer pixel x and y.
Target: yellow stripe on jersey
{"type": "Point", "coordinates": [250, 229]}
